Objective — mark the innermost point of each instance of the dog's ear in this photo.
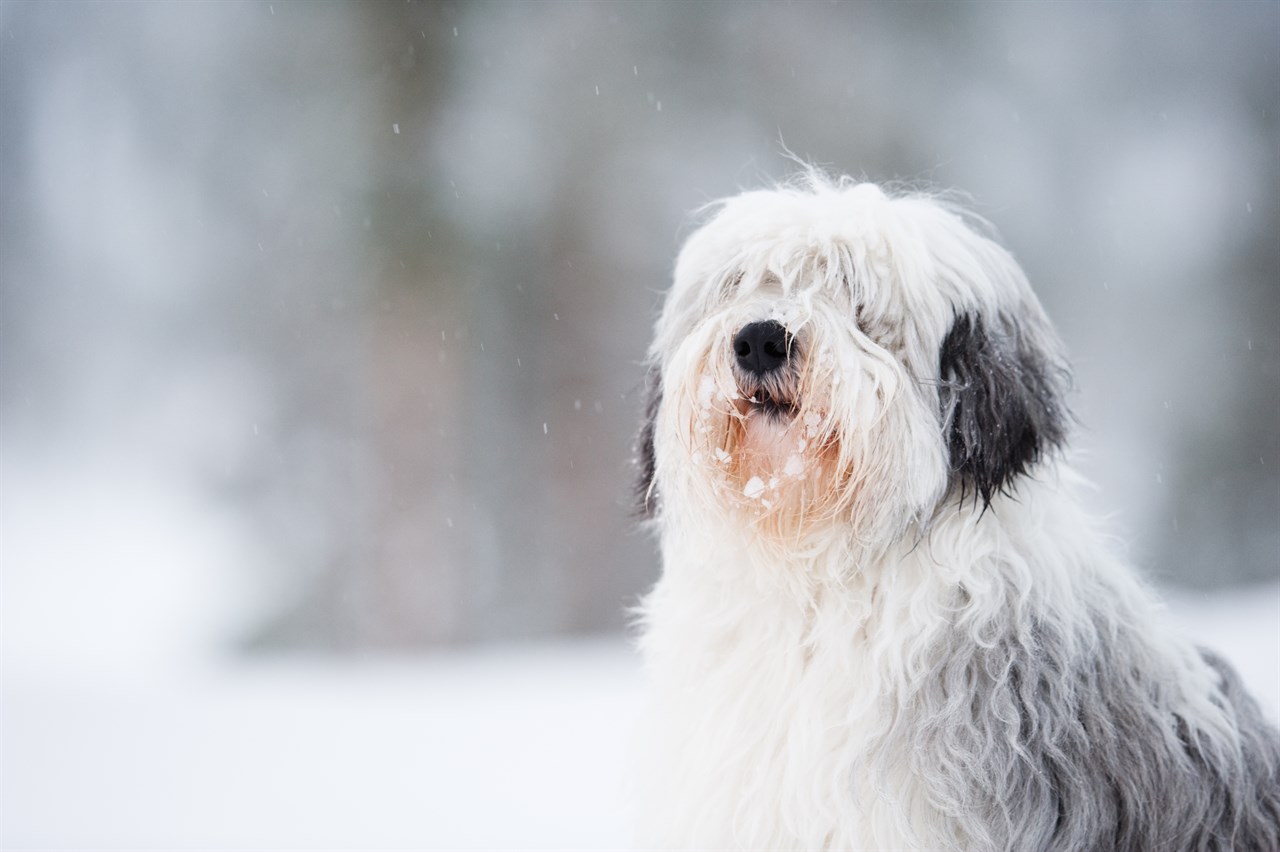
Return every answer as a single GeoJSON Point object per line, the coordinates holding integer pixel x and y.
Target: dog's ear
{"type": "Point", "coordinates": [646, 494]}
{"type": "Point", "coordinates": [1002, 403]}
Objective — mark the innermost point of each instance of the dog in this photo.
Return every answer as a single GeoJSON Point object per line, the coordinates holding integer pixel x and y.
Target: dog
{"type": "Point", "coordinates": [884, 619]}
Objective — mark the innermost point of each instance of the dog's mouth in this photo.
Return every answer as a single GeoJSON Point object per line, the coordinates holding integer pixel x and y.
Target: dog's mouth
{"type": "Point", "coordinates": [769, 404]}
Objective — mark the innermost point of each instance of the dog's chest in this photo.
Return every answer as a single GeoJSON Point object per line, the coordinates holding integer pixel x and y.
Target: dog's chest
{"type": "Point", "coordinates": [766, 713]}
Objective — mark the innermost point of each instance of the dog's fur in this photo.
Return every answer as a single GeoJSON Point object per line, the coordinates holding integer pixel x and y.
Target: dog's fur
{"type": "Point", "coordinates": [884, 621]}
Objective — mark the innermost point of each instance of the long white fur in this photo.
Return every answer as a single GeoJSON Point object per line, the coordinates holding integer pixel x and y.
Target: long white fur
{"type": "Point", "coordinates": [839, 641]}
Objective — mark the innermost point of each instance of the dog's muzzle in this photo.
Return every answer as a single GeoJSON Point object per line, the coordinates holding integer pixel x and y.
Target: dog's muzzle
{"type": "Point", "coordinates": [762, 352]}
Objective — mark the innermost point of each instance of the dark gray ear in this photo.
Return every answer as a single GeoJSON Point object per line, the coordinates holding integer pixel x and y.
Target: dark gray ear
{"type": "Point", "coordinates": [1001, 402]}
{"type": "Point", "coordinates": [646, 494]}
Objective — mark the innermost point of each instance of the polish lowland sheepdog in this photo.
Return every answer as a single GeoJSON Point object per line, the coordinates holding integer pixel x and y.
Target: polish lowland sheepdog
{"type": "Point", "coordinates": [884, 620]}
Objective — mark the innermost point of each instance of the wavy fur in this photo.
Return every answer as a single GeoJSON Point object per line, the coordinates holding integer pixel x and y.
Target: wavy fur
{"type": "Point", "coordinates": [884, 620]}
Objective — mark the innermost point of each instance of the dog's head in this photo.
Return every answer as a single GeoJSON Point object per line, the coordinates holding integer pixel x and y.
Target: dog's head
{"type": "Point", "coordinates": [832, 354]}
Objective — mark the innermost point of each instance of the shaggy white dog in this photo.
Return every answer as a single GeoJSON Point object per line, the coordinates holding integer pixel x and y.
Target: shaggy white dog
{"type": "Point", "coordinates": [884, 620]}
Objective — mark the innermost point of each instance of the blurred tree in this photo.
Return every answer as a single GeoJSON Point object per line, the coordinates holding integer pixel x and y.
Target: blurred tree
{"type": "Point", "coordinates": [381, 276]}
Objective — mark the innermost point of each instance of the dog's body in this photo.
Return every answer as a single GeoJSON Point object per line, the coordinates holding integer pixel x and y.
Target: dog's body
{"type": "Point", "coordinates": [884, 621]}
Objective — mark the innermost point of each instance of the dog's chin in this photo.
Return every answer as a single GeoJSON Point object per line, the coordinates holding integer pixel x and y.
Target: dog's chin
{"type": "Point", "coordinates": [770, 444]}
{"type": "Point", "coordinates": [775, 447]}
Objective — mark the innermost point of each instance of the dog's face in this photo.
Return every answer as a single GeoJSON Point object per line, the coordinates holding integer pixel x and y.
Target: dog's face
{"type": "Point", "coordinates": [834, 356]}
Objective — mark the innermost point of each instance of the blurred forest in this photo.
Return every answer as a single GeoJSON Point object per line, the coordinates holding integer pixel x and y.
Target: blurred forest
{"type": "Point", "coordinates": [327, 319]}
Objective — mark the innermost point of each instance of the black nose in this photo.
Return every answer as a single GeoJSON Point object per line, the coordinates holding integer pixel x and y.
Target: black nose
{"type": "Point", "coordinates": [761, 347]}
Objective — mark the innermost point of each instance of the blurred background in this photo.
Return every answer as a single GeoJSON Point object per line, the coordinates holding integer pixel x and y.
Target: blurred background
{"type": "Point", "coordinates": [320, 340]}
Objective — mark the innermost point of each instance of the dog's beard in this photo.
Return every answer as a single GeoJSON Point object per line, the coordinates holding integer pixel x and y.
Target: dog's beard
{"type": "Point", "coordinates": [772, 433]}
{"type": "Point", "coordinates": [768, 449]}
{"type": "Point", "coordinates": [836, 445]}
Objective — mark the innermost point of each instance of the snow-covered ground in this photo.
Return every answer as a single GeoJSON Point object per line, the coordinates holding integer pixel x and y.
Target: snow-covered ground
{"type": "Point", "coordinates": [514, 748]}
{"type": "Point", "coordinates": [518, 747]}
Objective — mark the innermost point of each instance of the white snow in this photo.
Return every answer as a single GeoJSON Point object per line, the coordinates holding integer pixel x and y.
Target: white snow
{"type": "Point", "coordinates": [519, 748]}
{"type": "Point", "coordinates": [795, 466]}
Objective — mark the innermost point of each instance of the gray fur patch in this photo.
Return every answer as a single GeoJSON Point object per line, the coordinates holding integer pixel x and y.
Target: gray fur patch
{"type": "Point", "coordinates": [646, 495]}
{"type": "Point", "coordinates": [1029, 746]}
